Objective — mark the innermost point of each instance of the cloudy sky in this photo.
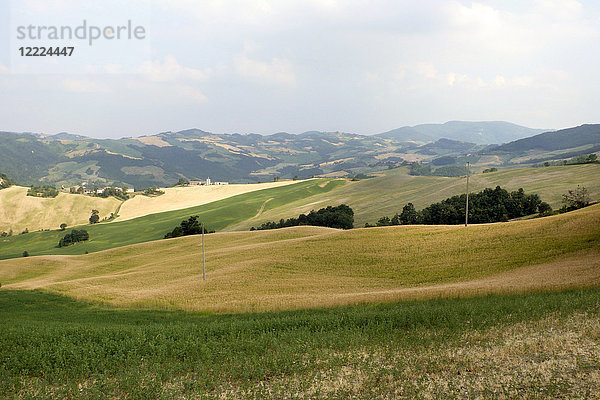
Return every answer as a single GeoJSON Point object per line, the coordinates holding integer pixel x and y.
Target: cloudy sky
{"type": "Point", "coordinates": [285, 65]}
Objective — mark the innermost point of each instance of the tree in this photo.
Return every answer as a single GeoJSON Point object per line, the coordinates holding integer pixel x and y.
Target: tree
{"type": "Point", "coordinates": [182, 182]}
{"type": "Point", "coordinates": [409, 215]}
{"type": "Point", "coordinates": [63, 226]}
{"type": "Point", "coordinates": [94, 218]}
{"type": "Point", "coordinates": [544, 208]}
{"type": "Point", "coordinates": [575, 199]}
{"type": "Point", "coordinates": [25, 253]}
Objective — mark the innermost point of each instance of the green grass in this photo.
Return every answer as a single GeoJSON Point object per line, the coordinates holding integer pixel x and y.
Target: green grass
{"type": "Point", "coordinates": [55, 347]}
{"type": "Point", "coordinates": [216, 215]}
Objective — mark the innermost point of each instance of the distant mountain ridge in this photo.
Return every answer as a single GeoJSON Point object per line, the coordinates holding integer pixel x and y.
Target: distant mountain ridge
{"type": "Point", "coordinates": [162, 159]}
{"type": "Point", "coordinates": [484, 132]}
{"type": "Point", "coordinates": [583, 135]}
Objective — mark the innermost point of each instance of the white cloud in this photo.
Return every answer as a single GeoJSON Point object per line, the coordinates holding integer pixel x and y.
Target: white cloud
{"type": "Point", "coordinates": [85, 86]}
{"type": "Point", "coordinates": [171, 70]}
{"type": "Point", "coordinates": [277, 71]}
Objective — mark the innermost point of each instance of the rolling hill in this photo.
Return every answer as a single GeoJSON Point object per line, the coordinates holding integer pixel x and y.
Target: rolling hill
{"type": "Point", "coordinates": [217, 215]}
{"type": "Point", "coordinates": [558, 145]}
{"type": "Point", "coordinates": [272, 270]}
{"type": "Point", "coordinates": [19, 211]}
{"type": "Point", "coordinates": [370, 199]}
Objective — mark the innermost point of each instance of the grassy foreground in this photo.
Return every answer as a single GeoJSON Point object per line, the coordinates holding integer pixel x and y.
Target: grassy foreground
{"type": "Point", "coordinates": [544, 345]}
{"type": "Point", "coordinates": [217, 215]}
{"type": "Point", "coordinates": [310, 267]}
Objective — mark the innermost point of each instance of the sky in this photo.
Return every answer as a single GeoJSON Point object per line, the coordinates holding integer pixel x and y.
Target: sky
{"type": "Point", "coordinates": [248, 66]}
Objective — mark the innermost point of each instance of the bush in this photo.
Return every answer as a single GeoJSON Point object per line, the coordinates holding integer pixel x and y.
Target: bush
{"type": "Point", "coordinates": [25, 253]}
{"type": "Point", "coordinates": [73, 237]}
{"type": "Point", "coordinates": [575, 199]}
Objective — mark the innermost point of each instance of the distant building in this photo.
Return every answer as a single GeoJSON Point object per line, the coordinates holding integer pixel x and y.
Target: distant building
{"type": "Point", "coordinates": [195, 183]}
{"type": "Point", "coordinates": [220, 183]}
{"type": "Point", "coordinates": [129, 190]}
{"type": "Point", "coordinates": [99, 191]}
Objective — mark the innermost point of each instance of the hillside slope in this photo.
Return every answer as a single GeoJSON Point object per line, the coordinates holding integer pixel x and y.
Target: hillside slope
{"type": "Point", "coordinates": [388, 193]}
{"type": "Point", "coordinates": [217, 215]}
{"type": "Point", "coordinates": [19, 211]}
{"type": "Point", "coordinates": [178, 198]}
{"type": "Point", "coordinates": [266, 270]}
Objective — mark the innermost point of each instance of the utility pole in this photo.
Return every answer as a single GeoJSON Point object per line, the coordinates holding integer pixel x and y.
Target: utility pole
{"type": "Point", "coordinates": [203, 255]}
{"type": "Point", "coordinates": [467, 205]}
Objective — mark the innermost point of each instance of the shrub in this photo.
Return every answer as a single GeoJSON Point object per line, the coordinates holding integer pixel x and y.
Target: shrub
{"type": "Point", "coordinates": [575, 199]}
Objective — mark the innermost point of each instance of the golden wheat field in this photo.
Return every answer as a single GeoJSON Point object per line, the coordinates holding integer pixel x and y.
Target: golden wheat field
{"type": "Point", "coordinates": [310, 267]}
{"type": "Point", "coordinates": [19, 211]}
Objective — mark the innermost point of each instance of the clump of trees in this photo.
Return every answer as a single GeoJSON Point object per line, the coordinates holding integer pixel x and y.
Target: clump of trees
{"type": "Point", "coordinates": [152, 191]}
{"type": "Point", "coordinates": [115, 192]}
{"type": "Point", "coordinates": [73, 237]}
{"type": "Point", "coordinates": [42, 191]}
{"type": "Point", "coordinates": [190, 226]}
{"type": "Point", "coordinates": [489, 205]}
{"type": "Point", "coordinates": [488, 170]}
{"type": "Point", "coordinates": [584, 159]}
{"type": "Point", "coordinates": [340, 217]}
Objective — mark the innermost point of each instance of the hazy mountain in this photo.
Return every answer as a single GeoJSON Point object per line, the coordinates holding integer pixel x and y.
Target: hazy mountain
{"type": "Point", "coordinates": [558, 140]}
{"type": "Point", "coordinates": [487, 132]}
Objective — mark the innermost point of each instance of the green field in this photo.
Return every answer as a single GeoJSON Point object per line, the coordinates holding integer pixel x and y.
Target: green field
{"type": "Point", "coordinates": [543, 345]}
{"type": "Point", "coordinates": [216, 215]}
{"type": "Point", "coordinates": [386, 195]}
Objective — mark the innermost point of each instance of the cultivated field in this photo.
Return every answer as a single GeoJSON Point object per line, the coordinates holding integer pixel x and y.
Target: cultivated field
{"type": "Point", "coordinates": [19, 211]}
{"type": "Point", "coordinates": [387, 194]}
{"type": "Point", "coordinates": [178, 198]}
{"type": "Point", "coordinates": [217, 215]}
{"type": "Point", "coordinates": [313, 267]}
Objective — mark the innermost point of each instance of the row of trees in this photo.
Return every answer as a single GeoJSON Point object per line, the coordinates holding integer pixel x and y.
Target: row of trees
{"type": "Point", "coordinates": [489, 205]}
{"type": "Point", "coordinates": [340, 217]}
